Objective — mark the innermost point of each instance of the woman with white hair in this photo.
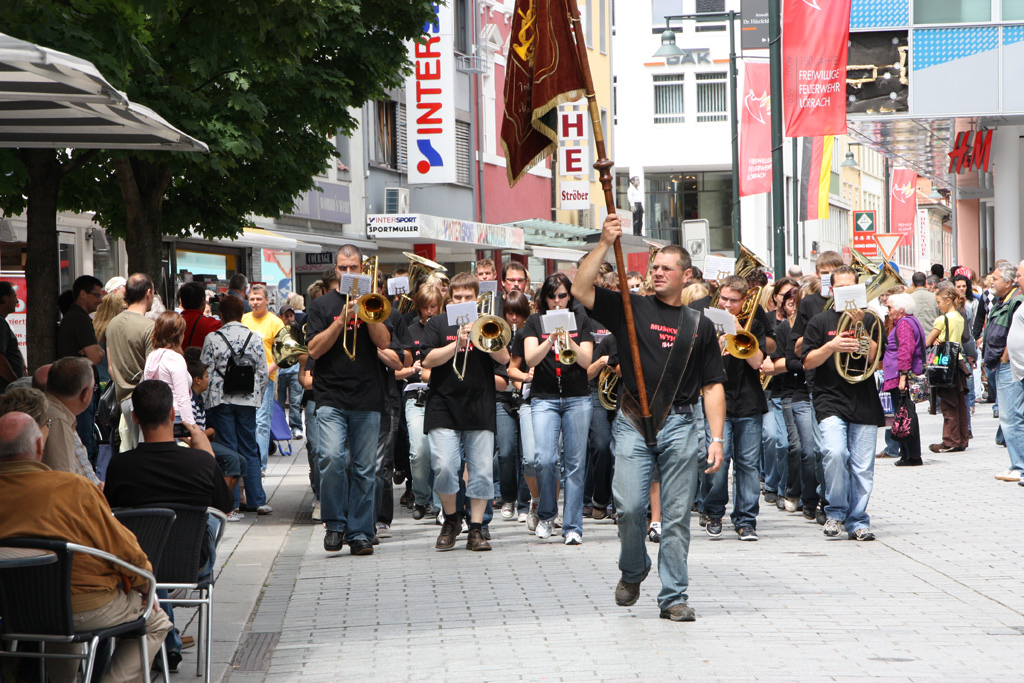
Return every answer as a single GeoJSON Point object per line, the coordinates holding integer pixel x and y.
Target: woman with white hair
{"type": "Point", "coordinates": [904, 355]}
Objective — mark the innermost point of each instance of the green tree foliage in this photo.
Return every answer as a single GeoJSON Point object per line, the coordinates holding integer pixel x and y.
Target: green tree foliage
{"type": "Point", "coordinates": [265, 83]}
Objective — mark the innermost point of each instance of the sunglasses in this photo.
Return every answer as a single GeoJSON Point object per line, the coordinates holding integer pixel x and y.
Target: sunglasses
{"type": "Point", "coordinates": [563, 295]}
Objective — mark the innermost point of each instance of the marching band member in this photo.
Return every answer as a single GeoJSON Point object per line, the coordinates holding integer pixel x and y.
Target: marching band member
{"type": "Point", "coordinates": [668, 334]}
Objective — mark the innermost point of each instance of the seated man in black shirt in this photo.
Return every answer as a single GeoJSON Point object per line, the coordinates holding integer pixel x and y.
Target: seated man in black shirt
{"type": "Point", "coordinates": [160, 471]}
{"type": "Point", "coordinates": [744, 406]}
{"type": "Point", "coordinates": [849, 415]}
{"type": "Point", "coordinates": [460, 416]}
{"type": "Point", "coordinates": [675, 369]}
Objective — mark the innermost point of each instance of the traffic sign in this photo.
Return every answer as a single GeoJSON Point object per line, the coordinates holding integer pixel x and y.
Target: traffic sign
{"type": "Point", "coordinates": [887, 243]}
{"type": "Point", "coordinates": [864, 233]}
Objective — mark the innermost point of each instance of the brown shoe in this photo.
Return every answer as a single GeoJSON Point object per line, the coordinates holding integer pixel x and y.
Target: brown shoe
{"type": "Point", "coordinates": [449, 530]}
{"type": "Point", "coordinates": [476, 541]}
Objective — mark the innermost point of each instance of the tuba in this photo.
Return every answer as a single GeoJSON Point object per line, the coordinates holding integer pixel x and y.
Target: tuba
{"type": "Point", "coordinates": [864, 267]}
{"type": "Point", "coordinates": [886, 279]}
{"type": "Point", "coordinates": [607, 383]}
{"type": "Point", "coordinates": [744, 344]}
{"type": "Point", "coordinates": [288, 347]}
{"type": "Point", "coordinates": [746, 263]}
{"type": "Point", "coordinates": [419, 268]}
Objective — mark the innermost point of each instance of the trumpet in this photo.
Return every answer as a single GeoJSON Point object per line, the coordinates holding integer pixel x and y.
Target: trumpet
{"type": "Point", "coordinates": [288, 347]}
{"type": "Point", "coordinates": [566, 356]}
{"type": "Point", "coordinates": [744, 344]}
{"type": "Point", "coordinates": [607, 383]}
{"type": "Point", "coordinates": [489, 333]}
{"type": "Point", "coordinates": [370, 308]}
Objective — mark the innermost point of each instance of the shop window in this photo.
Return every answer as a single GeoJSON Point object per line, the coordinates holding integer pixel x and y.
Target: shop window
{"type": "Point", "coordinates": [1013, 10]}
{"type": "Point", "coordinates": [712, 100]}
{"type": "Point", "coordinates": [104, 258]}
{"type": "Point", "coordinates": [952, 11]}
{"type": "Point", "coordinates": [343, 156]}
{"type": "Point", "coordinates": [385, 148]}
{"type": "Point", "coordinates": [67, 265]}
{"type": "Point", "coordinates": [668, 98]}
{"type": "Point", "coordinates": [671, 198]}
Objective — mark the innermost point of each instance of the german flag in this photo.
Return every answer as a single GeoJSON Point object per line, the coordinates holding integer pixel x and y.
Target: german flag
{"type": "Point", "coordinates": [816, 172]}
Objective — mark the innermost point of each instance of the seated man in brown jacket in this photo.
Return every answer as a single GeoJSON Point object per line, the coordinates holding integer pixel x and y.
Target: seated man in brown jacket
{"type": "Point", "coordinates": [37, 501]}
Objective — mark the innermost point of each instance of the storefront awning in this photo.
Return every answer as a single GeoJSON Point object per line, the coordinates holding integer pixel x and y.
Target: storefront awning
{"type": "Point", "coordinates": [544, 233]}
{"type": "Point", "coordinates": [451, 232]}
{"type": "Point", "coordinates": [51, 99]}
{"type": "Point", "coordinates": [258, 238]}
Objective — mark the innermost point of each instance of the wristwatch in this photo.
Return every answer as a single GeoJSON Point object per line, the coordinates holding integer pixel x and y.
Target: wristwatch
{"type": "Point", "coordinates": [715, 439]}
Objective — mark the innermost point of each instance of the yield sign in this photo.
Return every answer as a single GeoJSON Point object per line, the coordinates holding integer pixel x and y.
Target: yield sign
{"type": "Point", "coordinates": [887, 243]}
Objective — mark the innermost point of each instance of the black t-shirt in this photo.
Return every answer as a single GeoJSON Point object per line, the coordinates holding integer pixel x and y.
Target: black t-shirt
{"type": "Point", "coordinates": [810, 306]}
{"type": "Point", "coordinates": [793, 384]}
{"type": "Point", "coordinates": [10, 350]}
{"type": "Point", "coordinates": [466, 404]}
{"type": "Point", "coordinates": [657, 324]}
{"type": "Point", "coordinates": [75, 332]}
{"type": "Point", "coordinates": [400, 342]}
{"type": "Point", "coordinates": [415, 331]}
{"type": "Point", "coordinates": [743, 394]}
{"type": "Point", "coordinates": [340, 382]}
{"type": "Point", "coordinates": [833, 395]}
{"type": "Point", "coordinates": [164, 472]}
{"type": "Point", "coordinates": [546, 373]}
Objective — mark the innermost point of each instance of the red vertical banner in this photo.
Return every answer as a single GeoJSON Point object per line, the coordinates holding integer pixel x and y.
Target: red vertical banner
{"type": "Point", "coordinates": [815, 41]}
{"type": "Point", "coordinates": [903, 203]}
{"type": "Point", "coordinates": [755, 130]}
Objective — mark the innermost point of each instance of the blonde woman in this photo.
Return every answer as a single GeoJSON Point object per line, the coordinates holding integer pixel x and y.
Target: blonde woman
{"type": "Point", "coordinates": [110, 308]}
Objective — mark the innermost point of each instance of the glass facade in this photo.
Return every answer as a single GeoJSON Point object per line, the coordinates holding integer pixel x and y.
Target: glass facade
{"type": "Point", "coordinates": [688, 195]}
{"type": "Point", "coordinates": [952, 11]}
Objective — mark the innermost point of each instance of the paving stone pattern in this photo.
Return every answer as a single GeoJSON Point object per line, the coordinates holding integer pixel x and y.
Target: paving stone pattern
{"type": "Point", "coordinates": [934, 598]}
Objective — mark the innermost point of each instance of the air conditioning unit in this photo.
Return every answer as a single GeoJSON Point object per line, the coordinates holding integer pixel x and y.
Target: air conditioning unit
{"type": "Point", "coordinates": [396, 200]}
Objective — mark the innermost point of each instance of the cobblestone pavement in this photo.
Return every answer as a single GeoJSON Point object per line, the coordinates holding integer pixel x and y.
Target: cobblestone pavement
{"type": "Point", "coordinates": [934, 598]}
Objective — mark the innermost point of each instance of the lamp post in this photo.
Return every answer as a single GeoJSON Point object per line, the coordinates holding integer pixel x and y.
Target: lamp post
{"type": "Point", "coordinates": [670, 49]}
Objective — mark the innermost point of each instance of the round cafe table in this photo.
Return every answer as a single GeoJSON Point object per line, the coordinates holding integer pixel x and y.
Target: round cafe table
{"type": "Point", "coordinates": [25, 557]}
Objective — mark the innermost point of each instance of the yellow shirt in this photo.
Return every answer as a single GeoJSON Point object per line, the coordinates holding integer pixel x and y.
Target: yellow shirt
{"type": "Point", "coordinates": [956, 327]}
{"type": "Point", "coordinates": [269, 325]}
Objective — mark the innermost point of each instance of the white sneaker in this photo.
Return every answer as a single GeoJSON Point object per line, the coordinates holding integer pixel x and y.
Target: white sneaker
{"type": "Point", "coordinates": [508, 510]}
{"type": "Point", "coordinates": [522, 518]}
{"type": "Point", "coordinates": [573, 538]}
{"type": "Point", "coordinates": [383, 530]}
{"type": "Point", "coordinates": [544, 529]}
{"type": "Point", "coordinates": [316, 511]}
{"type": "Point", "coordinates": [791, 504]}
{"type": "Point", "coordinates": [235, 516]}
{"type": "Point", "coordinates": [1009, 475]}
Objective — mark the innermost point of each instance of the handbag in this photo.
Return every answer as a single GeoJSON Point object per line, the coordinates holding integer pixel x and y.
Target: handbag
{"type": "Point", "coordinates": [943, 364]}
{"type": "Point", "coordinates": [108, 412]}
{"type": "Point", "coordinates": [239, 374]}
{"type": "Point", "coordinates": [904, 415]}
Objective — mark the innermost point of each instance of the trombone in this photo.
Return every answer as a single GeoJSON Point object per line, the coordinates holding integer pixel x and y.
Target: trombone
{"type": "Point", "coordinates": [744, 344]}
{"type": "Point", "coordinates": [370, 308]}
{"type": "Point", "coordinates": [489, 333]}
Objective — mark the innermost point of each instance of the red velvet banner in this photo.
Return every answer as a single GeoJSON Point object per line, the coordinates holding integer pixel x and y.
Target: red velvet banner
{"type": "Point", "coordinates": [755, 130]}
{"type": "Point", "coordinates": [815, 39]}
{"type": "Point", "coordinates": [903, 203]}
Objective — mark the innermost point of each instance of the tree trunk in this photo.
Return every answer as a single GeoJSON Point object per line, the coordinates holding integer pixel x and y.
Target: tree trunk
{"type": "Point", "coordinates": [42, 263]}
{"type": "Point", "coordinates": [142, 186]}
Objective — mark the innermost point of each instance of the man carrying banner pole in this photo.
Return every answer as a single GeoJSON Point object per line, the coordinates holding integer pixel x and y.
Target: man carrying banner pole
{"type": "Point", "coordinates": [547, 66]}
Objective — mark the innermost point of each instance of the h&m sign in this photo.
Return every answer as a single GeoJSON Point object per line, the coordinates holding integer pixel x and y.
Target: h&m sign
{"type": "Point", "coordinates": [966, 157]}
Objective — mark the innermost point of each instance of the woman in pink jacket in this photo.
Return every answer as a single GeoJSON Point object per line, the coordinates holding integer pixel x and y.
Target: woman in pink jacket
{"type": "Point", "coordinates": [167, 364]}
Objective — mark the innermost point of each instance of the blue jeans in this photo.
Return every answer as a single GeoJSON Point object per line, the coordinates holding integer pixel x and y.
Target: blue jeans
{"type": "Point", "coordinates": [506, 469]}
{"type": "Point", "coordinates": [526, 454]}
{"type": "Point", "coordinates": [597, 487]}
{"type": "Point", "coordinates": [235, 428]}
{"type": "Point", "coordinates": [774, 442]}
{"type": "Point", "coordinates": [348, 468]}
{"type": "Point", "coordinates": [848, 455]}
{"type": "Point", "coordinates": [1011, 415]}
{"type": "Point", "coordinates": [569, 416]}
{"type": "Point", "coordinates": [742, 445]}
{"type": "Point", "coordinates": [446, 450]}
{"type": "Point", "coordinates": [289, 393]}
{"type": "Point", "coordinates": [264, 414]}
{"type": "Point", "coordinates": [793, 473]}
{"type": "Point", "coordinates": [993, 388]}
{"type": "Point", "coordinates": [810, 454]}
{"type": "Point", "coordinates": [678, 458]}
{"type": "Point", "coordinates": [419, 455]}
{"type": "Point", "coordinates": [312, 447]}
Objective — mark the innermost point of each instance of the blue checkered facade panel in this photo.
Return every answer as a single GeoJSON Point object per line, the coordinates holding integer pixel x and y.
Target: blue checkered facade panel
{"type": "Point", "coordinates": [879, 14]}
{"type": "Point", "coordinates": [932, 46]}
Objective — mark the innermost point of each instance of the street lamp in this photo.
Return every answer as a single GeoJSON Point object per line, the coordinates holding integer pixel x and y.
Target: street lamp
{"type": "Point", "coordinates": [849, 161]}
{"type": "Point", "coordinates": [670, 49]}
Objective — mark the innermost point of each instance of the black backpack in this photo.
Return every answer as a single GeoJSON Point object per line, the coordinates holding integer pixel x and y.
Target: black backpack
{"type": "Point", "coordinates": [240, 373]}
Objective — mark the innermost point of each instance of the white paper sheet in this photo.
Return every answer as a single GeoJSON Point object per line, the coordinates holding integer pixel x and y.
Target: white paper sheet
{"type": "Point", "coordinates": [398, 285]}
{"type": "Point", "coordinates": [724, 321]}
{"type": "Point", "coordinates": [851, 296]}
{"type": "Point", "coordinates": [718, 267]}
{"type": "Point", "coordinates": [552, 320]}
{"type": "Point", "coordinates": [462, 314]}
{"type": "Point", "coordinates": [363, 284]}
